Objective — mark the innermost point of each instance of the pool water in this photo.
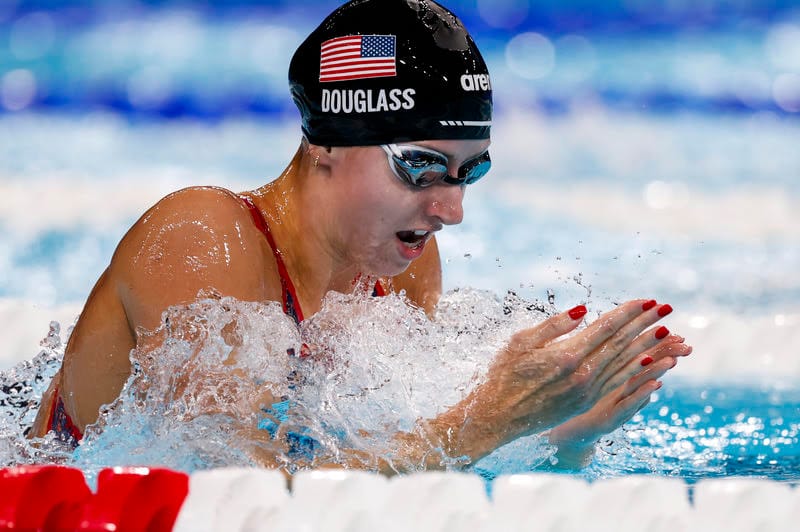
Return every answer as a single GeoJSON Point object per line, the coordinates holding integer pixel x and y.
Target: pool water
{"type": "Point", "coordinates": [700, 431]}
{"type": "Point", "coordinates": [657, 159]}
{"type": "Point", "coordinates": [379, 381]}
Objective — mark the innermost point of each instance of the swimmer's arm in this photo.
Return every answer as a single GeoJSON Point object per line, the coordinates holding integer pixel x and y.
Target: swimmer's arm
{"type": "Point", "coordinates": [422, 280]}
{"type": "Point", "coordinates": [579, 387]}
{"type": "Point", "coordinates": [195, 239]}
{"type": "Point", "coordinates": [200, 239]}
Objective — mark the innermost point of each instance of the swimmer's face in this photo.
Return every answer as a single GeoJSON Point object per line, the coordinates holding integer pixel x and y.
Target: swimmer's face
{"type": "Point", "coordinates": [385, 223]}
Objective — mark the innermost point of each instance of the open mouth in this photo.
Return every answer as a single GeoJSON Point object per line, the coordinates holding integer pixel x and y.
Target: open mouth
{"type": "Point", "coordinates": [413, 239]}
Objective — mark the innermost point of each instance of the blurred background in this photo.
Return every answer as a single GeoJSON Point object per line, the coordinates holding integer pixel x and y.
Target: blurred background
{"type": "Point", "coordinates": [640, 148]}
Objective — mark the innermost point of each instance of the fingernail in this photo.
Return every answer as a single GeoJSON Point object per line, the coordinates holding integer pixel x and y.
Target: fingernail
{"type": "Point", "coordinates": [646, 361]}
{"type": "Point", "coordinates": [650, 304]}
{"type": "Point", "coordinates": [662, 332]}
{"type": "Point", "coordinates": [659, 384]}
{"type": "Point", "coordinates": [664, 310]}
{"type": "Point", "coordinates": [578, 312]}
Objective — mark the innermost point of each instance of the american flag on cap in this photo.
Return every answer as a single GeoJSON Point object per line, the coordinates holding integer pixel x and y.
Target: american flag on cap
{"type": "Point", "coordinates": [358, 57]}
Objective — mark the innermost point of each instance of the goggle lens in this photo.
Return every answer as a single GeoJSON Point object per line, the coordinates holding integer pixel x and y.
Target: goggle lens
{"type": "Point", "coordinates": [422, 167]}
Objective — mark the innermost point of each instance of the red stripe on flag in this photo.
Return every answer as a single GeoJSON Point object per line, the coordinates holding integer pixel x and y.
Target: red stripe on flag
{"type": "Point", "coordinates": [370, 61]}
{"type": "Point", "coordinates": [355, 50]}
{"type": "Point", "coordinates": [341, 41]}
{"type": "Point", "coordinates": [363, 75]}
{"type": "Point", "coordinates": [351, 70]}
{"type": "Point", "coordinates": [341, 59]}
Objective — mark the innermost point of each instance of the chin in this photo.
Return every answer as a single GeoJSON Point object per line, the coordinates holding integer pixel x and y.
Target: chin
{"type": "Point", "coordinates": [385, 268]}
{"type": "Point", "coordinates": [396, 271]}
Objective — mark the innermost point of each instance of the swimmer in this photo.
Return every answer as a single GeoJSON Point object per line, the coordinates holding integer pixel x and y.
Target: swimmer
{"type": "Point", "coordinates": [396, 108]}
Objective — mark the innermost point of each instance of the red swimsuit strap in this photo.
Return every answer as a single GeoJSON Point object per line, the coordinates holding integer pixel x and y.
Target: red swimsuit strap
{"type": "Point", "coordinates": [291, 304]}
{"type": "Point", "coordinates": [378, 290]}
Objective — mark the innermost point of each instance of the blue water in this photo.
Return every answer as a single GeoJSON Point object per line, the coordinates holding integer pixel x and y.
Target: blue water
{"type": "Point", "coordinates": [696, 431]}
{"type": "Point", "coordinates": [702, 431]}
{"type": "Point", "coordinates": [639, 151]}
{"type": "Point", "coordinates": [691, 430]}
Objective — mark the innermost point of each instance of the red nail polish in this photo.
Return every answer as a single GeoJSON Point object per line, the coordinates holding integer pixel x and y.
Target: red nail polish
{"type": "Point", "coordinates": [646, 361]}
{"type": "Point", "coordinates": [578, 312]}
{"type": "Point", "coordinates": [650, 304]}
{"type": "Point", "coordinates": [662, 332]}
{"type": "Point", "coordinates": [659, 384]}
{"type": "Point", "coordinates": [664, 310]}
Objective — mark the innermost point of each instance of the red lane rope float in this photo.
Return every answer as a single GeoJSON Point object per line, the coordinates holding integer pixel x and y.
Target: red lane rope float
{"type": "Point", "coordinates": [137, 498]}
{"type": "Point", "coordinates": [34, 496]}
{"type": "Point", "coordinates": [54, 498]}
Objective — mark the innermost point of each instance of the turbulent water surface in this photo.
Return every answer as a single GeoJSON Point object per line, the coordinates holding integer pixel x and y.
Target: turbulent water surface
{"type": "Point", "coordinates": [221, 387]}
{"type": "Point", "coordinates": [649, 150]}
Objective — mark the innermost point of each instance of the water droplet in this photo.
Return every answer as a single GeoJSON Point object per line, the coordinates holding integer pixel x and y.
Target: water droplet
{"type": "Point", "coordinates": [53, 338]}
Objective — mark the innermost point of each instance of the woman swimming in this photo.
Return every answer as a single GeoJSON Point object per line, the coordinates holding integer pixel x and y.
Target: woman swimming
{"type": "Point", "coordinates": [396, 110]}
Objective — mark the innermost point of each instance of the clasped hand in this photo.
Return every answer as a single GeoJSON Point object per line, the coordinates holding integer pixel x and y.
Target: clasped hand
{"type": "Point", "coordinates": [581, 385]}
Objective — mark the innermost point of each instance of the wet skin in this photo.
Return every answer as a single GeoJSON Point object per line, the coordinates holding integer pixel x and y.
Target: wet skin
{"type": "Point", "coordinates": [337, 213]}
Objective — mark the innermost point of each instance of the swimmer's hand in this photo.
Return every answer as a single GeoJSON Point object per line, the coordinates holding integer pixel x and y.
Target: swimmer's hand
{"type": "Point", "coordinates": [576, 437]}
{"type": "Point", "coordinates": [588, 383]}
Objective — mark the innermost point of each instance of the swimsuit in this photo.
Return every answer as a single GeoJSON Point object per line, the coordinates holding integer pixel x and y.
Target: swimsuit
{"type": "Point", "coordinates": [66, 430]}
{"type": "Point", "coordinates": [291, 304]}
{"type": "Point", "coordinates": [299, 443]}
{"type": "Point", "coordinates": [60, 422]}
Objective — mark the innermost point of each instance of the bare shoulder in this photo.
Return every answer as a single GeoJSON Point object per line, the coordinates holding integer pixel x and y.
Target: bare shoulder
{"type": "Point", "coordinates": [199, 239]}
{"type": "Point", "coordinates": [200, 225]}
{"type": "Point", "coordinates": [214, 208]}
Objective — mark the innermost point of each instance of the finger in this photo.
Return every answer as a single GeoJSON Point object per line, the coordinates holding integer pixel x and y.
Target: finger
{"type": "Point", "coordinates": [606, 358]}
{"type": "Point", "coordinates": [638, 370]}
{"type": "Point", "coordinates": [637, 400]}
{"type": "Point", "coordinates": [653, 371]}
{"type": "Point", "coordinates": [555, 327]}
{"type": "Point", "coordinates": [646, 340]}
{"type": "Point", "coordinates": [605, 327]}
{"type": "Point", "coordinates": [626, 405]}
{"type": "Point", "coordinates": [670, 346]}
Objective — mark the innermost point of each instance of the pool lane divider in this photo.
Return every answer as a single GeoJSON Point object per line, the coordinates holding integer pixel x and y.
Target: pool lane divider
{"type": "Point", "coordinates": [56, 498]}
{"type": "Point", "coordinates": [50, 498]}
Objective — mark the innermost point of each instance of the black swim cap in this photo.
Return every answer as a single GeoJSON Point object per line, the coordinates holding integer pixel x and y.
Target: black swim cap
{"type": "Point", "coordinates": [384, 71]}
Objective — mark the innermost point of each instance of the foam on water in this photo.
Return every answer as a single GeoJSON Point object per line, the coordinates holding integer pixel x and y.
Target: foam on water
{"type": "Point", "coordinates": [216, 386]}
{"type": "Point", "coordinates": [21, 390]}
{"type": "Point", "coordinates": [209, 382]}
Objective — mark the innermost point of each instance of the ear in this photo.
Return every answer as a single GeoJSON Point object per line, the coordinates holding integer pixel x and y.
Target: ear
{"type": "Point", "coordinates": [319, 156]}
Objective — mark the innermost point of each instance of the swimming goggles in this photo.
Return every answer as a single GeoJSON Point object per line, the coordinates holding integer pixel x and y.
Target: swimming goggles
{"type": "Point", "coordinates": [423, 167]}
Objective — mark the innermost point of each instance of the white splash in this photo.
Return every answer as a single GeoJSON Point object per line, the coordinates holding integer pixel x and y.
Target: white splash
{"type": "Point", "coordinates": [221, 387]}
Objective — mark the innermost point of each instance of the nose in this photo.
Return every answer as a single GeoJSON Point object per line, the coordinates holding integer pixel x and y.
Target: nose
{"type": "Point", "coordinates": [446, 203]}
